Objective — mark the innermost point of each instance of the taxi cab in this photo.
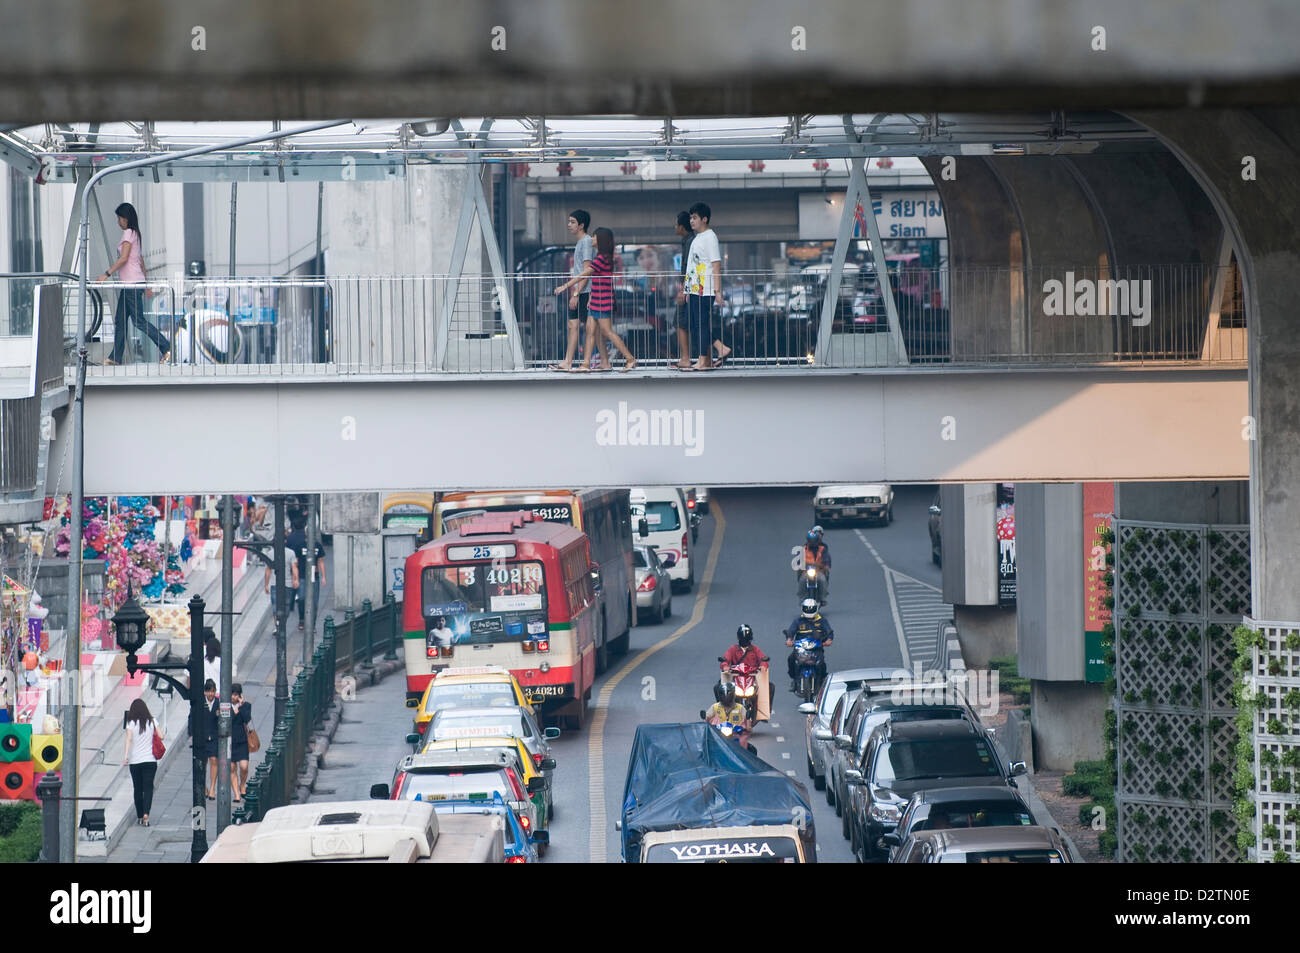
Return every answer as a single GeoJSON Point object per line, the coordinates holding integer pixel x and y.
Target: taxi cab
{"type": "Point", "coordinates": [484, 686]}
{"type": "Point", "coordinates": [528, 768]}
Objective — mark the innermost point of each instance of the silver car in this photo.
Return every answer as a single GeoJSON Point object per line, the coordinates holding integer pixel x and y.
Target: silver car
{"type": "Point", "coordinates": [654, 590]}
{"type": "Point", "coordinates": [818, 716]}
{"type": "Point", "coordinates": [985, 845]}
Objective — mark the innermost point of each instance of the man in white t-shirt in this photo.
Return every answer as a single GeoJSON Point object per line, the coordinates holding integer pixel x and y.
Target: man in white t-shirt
{"type": "Point", "coordinates": [703, 285]}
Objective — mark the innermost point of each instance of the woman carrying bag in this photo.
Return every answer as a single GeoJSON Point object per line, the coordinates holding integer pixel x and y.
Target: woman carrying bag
{"type": "Point", "coordinates": [144, 747]}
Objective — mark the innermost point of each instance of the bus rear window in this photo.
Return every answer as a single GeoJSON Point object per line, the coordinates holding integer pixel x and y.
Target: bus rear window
{"type": "Point", "coordinates": [484, 602]}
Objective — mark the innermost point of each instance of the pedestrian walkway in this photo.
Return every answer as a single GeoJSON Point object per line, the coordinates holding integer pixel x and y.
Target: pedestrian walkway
{"type": "Point", "coordinates": [169, 836]}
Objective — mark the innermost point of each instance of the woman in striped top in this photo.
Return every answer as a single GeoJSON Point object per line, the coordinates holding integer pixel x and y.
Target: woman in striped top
{"type": "Point", "coordinates": [600, 306]}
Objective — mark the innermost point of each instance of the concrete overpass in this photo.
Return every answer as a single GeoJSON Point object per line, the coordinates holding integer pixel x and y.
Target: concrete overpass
{"type": "Point", "coordinates": [799, 426]}
{"type": "Point", "coordinates": [242, 59]}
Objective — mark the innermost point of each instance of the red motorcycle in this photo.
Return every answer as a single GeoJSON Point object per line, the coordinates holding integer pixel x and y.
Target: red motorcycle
{"type": "Point", "coordinates": [746, 680]}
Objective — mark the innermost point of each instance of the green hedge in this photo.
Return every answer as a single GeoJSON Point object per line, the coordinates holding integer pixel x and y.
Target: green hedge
{"type": "Point", "coordinates": [1009, 679]}
{"type": "Point", "coordinates": [20, 833]}
{"type": "Point", "coordinates": [1095, 780]}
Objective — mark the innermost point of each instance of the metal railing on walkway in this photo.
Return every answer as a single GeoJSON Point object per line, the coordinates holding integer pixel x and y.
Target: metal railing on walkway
{"type": "Point", "coordinates": [275, 781]}
{"type": "Point", "coordinates": [960, 315]}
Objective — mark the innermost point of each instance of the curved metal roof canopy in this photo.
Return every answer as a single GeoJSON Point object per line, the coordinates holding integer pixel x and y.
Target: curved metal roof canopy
{"type": "Point", "coordinates": [374, 149]}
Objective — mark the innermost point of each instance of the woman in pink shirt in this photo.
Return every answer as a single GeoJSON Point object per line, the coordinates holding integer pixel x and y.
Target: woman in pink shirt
{"type": "Point", "coordinates": [129, 268]}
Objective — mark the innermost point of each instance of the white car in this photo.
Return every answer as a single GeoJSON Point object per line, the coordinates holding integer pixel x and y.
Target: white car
{"type": "Point", "coordinates": [659, 519]}
{"type": "Point", "coordinates": [874, 501]}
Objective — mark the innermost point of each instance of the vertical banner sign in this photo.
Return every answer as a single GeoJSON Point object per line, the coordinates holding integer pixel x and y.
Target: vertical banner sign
{"type": "Point", "coordinates": [1006, 536]}
{"type": "Point", "coordinates": [1098, 504]}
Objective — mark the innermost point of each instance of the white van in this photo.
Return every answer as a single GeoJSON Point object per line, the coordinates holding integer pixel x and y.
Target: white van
{"type": "Point", "coordinates": [666, 527]}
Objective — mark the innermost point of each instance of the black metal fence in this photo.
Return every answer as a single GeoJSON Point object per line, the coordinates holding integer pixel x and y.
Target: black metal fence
{"type": "Point", "coordinates": [275, 781]}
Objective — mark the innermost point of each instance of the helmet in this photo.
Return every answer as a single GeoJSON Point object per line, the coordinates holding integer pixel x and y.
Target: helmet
{"type": "Point", "coordinates": [744, 636]}
{"type": "Point", "coordinates": [818, 530]}
{"type": "Point", "coordinates": [728, 693]}
{"type": "Point", "coordinates": [719, 689]}
{"type": "Point", "coordinates": [813, 537]}
{"type": "Point", "coordinates": [809, 608]}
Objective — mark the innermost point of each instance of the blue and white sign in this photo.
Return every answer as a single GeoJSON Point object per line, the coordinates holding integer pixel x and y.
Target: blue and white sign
{"type": "Point", "coordinates": [916, 213]}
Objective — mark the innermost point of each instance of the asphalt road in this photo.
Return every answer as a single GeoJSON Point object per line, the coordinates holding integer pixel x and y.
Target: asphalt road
{"type": "Point", "coordinates": [668, 674]}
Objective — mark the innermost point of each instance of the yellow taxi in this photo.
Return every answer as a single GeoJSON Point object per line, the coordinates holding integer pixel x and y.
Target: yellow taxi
{"type": "Point", "coordinates": [526, 764]}
{"type": "Point", "coordinates": [483, 686]}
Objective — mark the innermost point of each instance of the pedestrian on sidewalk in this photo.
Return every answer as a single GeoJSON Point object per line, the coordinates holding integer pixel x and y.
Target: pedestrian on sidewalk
{"type": "Point", "coordinates": [290, 581]}
{"type": "Point", "coordinates": [241, 718]}
{"type": "Point", "coordinates": [139, 757]}
{"type": "Point", "coordinates": [309, 583]}
{"type": "Point", "coordinates": [600, 326]}
{"type": "Point", "coordinates": [130, 300]}
{"type": "Point", "coordinates": [703, 285]}
{"type": "Point", "coordinates": [583, 253]}
{"type": "Point", "coordinates": [211, 657]}
{"type": "Point", "coordinates": [210, 706]}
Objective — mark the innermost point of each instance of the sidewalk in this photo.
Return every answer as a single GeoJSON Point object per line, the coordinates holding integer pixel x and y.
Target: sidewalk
{"type": "Point", "coordinates": [169, 835]}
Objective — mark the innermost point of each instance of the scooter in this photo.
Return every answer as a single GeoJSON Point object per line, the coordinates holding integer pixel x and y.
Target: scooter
{"type": "Point", "coordinates": [745, 680]}
{"type": "Point", "coordinates": [695, 519]}
{"type": "Point", "coordinates": [812, 584]}
{"type": "Point", "coordinates": [807, 653]}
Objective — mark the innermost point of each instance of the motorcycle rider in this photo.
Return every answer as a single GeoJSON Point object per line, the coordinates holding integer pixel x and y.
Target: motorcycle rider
{"type": "Point", "coordinates": [728, 709]}
{"type": "Point", "coordinates": [748, 655]}
{"type": "Point", "coordinates": [809, 624]}
{"type": "Point", "coordinates": [817, 553]}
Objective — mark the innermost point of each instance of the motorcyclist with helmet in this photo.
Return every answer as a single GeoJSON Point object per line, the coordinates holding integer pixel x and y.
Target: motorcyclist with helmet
{"type": "Point", "coordinates": [745, 654]}
{"type": "Point", "coordinates": [809, 624]}
{"type": "Point", "coordinates": [728, 709]}
{"type": "Point", "coordinates": [817, 553]}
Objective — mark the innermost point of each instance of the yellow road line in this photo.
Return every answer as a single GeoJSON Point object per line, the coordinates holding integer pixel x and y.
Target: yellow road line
{"type": "Point", "coordinates": [596, 740]}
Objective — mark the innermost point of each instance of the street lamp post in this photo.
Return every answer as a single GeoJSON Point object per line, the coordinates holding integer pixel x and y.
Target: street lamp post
{"type": "Point", "coordinates": [129, 624]}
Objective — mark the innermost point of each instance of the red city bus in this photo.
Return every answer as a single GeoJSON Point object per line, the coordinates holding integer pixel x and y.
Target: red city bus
{"type": "Point", "coordinates": [505, 589]}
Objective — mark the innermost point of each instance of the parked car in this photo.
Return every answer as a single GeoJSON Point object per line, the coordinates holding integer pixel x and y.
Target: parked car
{"type": "Point", "coordinates": [872, 707]}
{"type": "Point", "coordinates": [987, 845]}
{"type": "Point", "coordinates": [903, 757]}
{"type": "Point", "coordinates": [874, 501]}
{"type": "Point", "coordinates": [818, 736]}
{"type": "Point", "coordinates": [654, 590]}
{"type": "Point", "coordinates": [945, 808]}
{"type": "Point", "coordinates": [936, 530]}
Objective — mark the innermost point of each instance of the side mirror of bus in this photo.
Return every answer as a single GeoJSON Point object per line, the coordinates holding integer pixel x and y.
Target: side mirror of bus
{"type": "Point", "coordinates": [379, 792]}
{"type": "Point", "coordinates": [643, 527]}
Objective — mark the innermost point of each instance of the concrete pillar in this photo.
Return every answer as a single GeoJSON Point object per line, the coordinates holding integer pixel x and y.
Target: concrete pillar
{"type": "Point", "coordinates": [985, 632]}
{"type": "Point", "coordinates": [405, 227]}
{"type": "Point", "coordinates": [1063, 233]}
{"type": "Point", "coordinates": [1246, 161]}
{"type": "Point", "coordinates": [1067, 723]}
{"type": "Point", "coordinates": [986, 257]}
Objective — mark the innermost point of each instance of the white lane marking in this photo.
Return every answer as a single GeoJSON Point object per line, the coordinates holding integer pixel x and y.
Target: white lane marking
{"type": "Point", "coordinates": [893, 600]}
{"type": "Point", "coordinates": [774, 724]}
{"type": "Point", "coordinates": [791, 773]}
{"type": "Point", "coordinates": [785, 755]}
{"type": "Point", "coordinates": [780, 739]}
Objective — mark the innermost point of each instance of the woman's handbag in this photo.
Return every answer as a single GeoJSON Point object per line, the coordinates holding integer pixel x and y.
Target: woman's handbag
{"type": "Point", "coordinates": [254, 742]}
{"type": "Point", "coordinates": [159, 749]}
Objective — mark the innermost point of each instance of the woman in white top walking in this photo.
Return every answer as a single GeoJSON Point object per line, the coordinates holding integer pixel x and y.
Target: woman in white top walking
{"type": "Point", "coordinates": [140, 729]}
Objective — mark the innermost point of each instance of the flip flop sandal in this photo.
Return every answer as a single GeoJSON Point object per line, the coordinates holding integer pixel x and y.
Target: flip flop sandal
{"type": "Point", "coordinates": [685, 370]}
{"type": "Point", "coordinates": [722, 360]}
{"type": "Point", "coordinates": [562, 370]}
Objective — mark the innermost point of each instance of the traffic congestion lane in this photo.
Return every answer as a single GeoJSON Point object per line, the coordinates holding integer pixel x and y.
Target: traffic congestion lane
{"type": "Point", "coordinates": [753, 582]}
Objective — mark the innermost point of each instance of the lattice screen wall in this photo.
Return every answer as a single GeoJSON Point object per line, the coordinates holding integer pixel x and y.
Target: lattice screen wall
{"type": "Point", "coordinates": [1275, 670]}
{"type": "Point", "coordinates": [1180, 590]}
